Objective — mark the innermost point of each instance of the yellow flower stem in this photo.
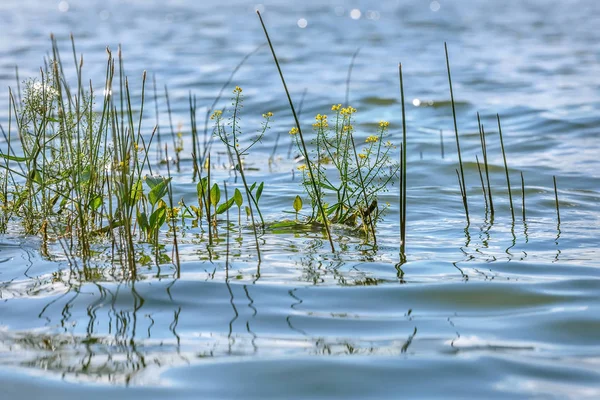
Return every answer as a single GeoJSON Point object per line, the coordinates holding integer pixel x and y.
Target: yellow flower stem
{"type": "Point", "coordinates": [368, 218]}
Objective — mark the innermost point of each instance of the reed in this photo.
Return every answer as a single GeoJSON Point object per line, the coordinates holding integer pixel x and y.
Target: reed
{"type": "Point", "coordinates": [482, 184]}
{"type": "Point", "coordinates": [512, 211]}
{"type": "Point", "coordinates": [485, 164]}
{"type": "Point", "coordinates": [403, 167]}
{"type": "Point", "coordinates": [461, 178]}
{"type": "Point", "coordinates": [556, 200]}
{"type": "Point", "coordinates": [305, 150]}
{"type": "Point", "coordinates": [172, 218]}
{"type": "Point", "coordinates": [349, 76]}
{"type": "Point", "coordinates": [523, 195]}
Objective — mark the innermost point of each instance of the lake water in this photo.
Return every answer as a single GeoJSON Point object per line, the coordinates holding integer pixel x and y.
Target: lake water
{"type": "Point", "coordinates": [498, 309]}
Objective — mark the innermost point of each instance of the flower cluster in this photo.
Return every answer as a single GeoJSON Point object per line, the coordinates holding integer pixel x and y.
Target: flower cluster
{"type": "Point", "coordinates": [237, 90]}
{"type": "Point", "coordinates": [216, 115]}
{"type": "Point", "coordinates": [348, 111]}
{"type": "Point", "coordinates": [268, 115]}
{"type": "Point", "coordinates": [372, 139]}
{"type": "Point", "coordinates": [293, 131]}
{"type": "Point", "coordinates": [321, 121]}
{"type": "Point", "coordinates": [336, 107]}
{"type": "Point", "coordinates": [384, 124]}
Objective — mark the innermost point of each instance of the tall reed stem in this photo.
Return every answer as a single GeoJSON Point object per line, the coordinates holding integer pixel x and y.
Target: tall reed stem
{"type": "Point", "coordinates": [403, 161]}
{"type": "Point", "coordinates": [308, 163]}
{"type": "Point", "coordinates": [461, 178]}
{"type": "Point", "coordinates": [512, 210]}
{"type": "Point", "coordinates": [556, 199]}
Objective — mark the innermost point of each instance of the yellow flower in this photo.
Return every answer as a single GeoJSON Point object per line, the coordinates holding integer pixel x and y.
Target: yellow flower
{"type": "Point", "coordinates": [268, 115]}
{"type": "Point", "coordinates": [384, 124]}
{"type": "Point", "coordinates": [301, 167]}
{"type": "Point", "coordinates": [320, 117]}
{"type": "Point", "coordinates": [348, 111]}
{"type": "Point", "coordinates": [216, 115]}
{"type": "Point", "coordinates": [347, 128]}
{"type": "Point", "coordinates": [362, 155]}
{"type": "Point", "coordinates": [336, 107]}
{"type": "Point", "coordinates": [293, 131]}
{"type": "Point", "coordinates": [372, 139]}
{"type": "Point", "coordinates": [237, 90]}
{"type": "Point", "coordinates": [321, 124]}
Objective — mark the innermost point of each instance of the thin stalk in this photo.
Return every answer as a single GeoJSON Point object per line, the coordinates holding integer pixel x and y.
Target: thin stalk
{"type": "Point", "coordinates": [366, 218]}
{"type": "Point", "coordinates": [289, 152]}
{"type": "Point", "coordinates": [207, 201]}
{"type": "Point", "coordinates": [159, 144]}
{"type": "Point", "coordinates": [227, 229]}
{"type": "Point", "coordinates": [403, 158]}
{"type": "Point", "coordinates": [308, 164]}
{"type": "Point", "coordinates": [512, 211]}
{"type": "Point", "coordinates": [171, 126]}
{"type": "Point", "coordinates": [482, 184]}
{"type": "Point", "coordinates": [207, 141]}
{"type": "Point", "coordinates": [556, 199]}
{"type": "Point", "coordinates": [523, 194]}
{"type": "Point", "coordinates": [173, 227]}
{"type": "Point", "coordinates": [463, 188]}
{"type": "Point", "coordinates": [195, 145]}
{"type": "Point", "coordinates": [350, 76]}
{"type": "Point", "coordinates": [485, 163]}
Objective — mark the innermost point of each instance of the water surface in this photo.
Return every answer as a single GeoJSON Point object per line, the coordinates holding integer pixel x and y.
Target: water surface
{"type": "Point", "coordinates": [493, 310]}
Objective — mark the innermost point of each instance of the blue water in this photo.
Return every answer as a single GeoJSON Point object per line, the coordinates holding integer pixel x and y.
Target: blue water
{"type": "Point", "coordinates": [493, 310]}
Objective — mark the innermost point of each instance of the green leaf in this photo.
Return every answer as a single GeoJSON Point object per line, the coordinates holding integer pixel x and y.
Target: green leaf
{"type": "Point", "coordinates": [85, 175]}
{"type": "Point", "coordinates": [152, 181]}
{"type": "Point", "coordinates": [259, 191]}
{"type": "Point", "coordinates": [95, 203]}
{"type": "Point", "coordinates": [158, 218]}
{"type": "Point", "coordinates": [327, 186]}
{"type": "Point", "coordinates": [215, 195]}
{"type": "Point", "coordinates": [237, 197]}
{"type": "Point", "coordinates": [297, 204]}
{"type": "Point", "coordinates": [252, 187]}
{"type": "Point", "coordinates": [247, 212]}
{"type": "Point", "coordinates": [14, 158]}
{"type": "Point", "coordinates": [158, 191]}
{"type": "Point", "coordinates": [202, 186]}
{"type": "Point", "coordinates": [142, 220]}
{"type": "Point", "coordinates": [225, 206]}
{"type": "Point", "coordinates": [136, 191]}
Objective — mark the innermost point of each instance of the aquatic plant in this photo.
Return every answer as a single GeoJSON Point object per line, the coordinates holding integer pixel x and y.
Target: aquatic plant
{"type": "Point", "coordinates": [348, 177]}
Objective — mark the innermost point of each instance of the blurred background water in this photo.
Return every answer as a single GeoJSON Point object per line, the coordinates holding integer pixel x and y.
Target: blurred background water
{"type": "Point", "coordinates": [495, 310]}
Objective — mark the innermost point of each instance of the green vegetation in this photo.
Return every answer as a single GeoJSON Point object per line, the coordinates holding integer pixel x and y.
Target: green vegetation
{"type": "Point", "coordinates": [78, 173]}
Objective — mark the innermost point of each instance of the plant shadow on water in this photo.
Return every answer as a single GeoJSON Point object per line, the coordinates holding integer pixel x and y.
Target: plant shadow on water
{"type": "Point", "coordinates": [138, 273]}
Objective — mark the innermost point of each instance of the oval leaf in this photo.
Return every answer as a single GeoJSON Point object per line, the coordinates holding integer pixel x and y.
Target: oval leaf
{"type": "Point", "coordinates": [237, 197]}
{"type": "Point", "coordinates": [215, 195]}
{"type": "Point", "coordinates": [259, 191]}
{"type": "Point", "coordinates": [225, 206]}
{"type": "Point", "coordinates": [297, 204]}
